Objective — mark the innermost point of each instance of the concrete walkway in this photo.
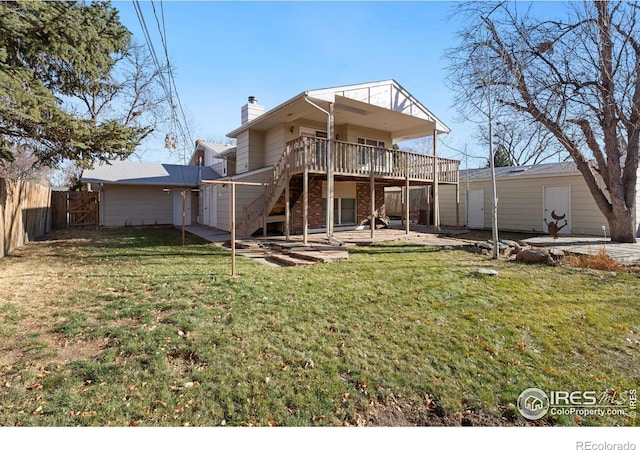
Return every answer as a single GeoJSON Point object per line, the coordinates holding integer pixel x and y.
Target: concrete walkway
{"type": "Point", "coordinates": [209, 234]}
{"type": "Point", "coordinates": [628, 254]}
{"type": "Point", "coordinates": [222, 238]}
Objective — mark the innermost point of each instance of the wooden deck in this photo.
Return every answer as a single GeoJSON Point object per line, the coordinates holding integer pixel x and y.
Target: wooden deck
{"type": "Point", "coordinates": [359, 160]}
{"type": "Point", "coordinates": [347, 160]}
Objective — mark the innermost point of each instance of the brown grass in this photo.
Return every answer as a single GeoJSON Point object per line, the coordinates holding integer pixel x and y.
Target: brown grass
{"type": "Point", "coordinates": [599, 261]}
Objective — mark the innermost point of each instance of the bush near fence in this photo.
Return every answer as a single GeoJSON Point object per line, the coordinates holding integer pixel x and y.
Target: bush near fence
{"type": "Point", "coordinates": [25, 213]}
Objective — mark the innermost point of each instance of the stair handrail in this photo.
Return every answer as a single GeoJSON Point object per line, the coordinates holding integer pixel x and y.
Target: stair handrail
{"type": "Point", "coordinates": [272, 191]}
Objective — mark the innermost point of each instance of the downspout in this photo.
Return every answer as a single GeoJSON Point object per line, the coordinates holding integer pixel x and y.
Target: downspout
{"type": "Point", "coordinates": [329, 218]}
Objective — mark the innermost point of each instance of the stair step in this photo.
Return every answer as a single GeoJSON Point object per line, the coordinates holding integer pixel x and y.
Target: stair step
{"type": "Point", "coordinates": [320, 255]}
{"type": "Point", "coordinates": [290, 261]}
{"type": "Point", "coordinates": [248, 244]}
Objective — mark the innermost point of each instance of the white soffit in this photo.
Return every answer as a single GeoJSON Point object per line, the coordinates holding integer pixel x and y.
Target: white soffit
{"type": "Point", "coordinates": [384, 94]}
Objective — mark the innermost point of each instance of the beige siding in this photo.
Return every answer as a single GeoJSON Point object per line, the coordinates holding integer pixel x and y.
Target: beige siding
{"type": "Point", "coordinates": [344, 189]}
{"type": "Point", "coordinates": [274, 142]}
{"type": "Point", "coordinates": [586, 217]}
{"type": "Point", "coordinates": [244, 196]}
{"type": "Point", "coordinates": [354, 132]}
{"type": "Point", "coordinates": [242, 152]}
{"type": "Point", "coordinates": [219, 168]}
{"type": "Point", "coordinates": [447, 196]}
{"type": "Point", "coordinates": [135, 205]}
{"type": "Point", "coordinates": [256, 150]}
{"type": "Point", "coordinates": [520, 203]}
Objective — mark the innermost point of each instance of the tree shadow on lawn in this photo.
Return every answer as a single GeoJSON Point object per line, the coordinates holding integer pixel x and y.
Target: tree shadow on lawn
{"type": "Point", "coordinates": [119, 238]}
{"type": "Point", "coordinates": [390, 248]}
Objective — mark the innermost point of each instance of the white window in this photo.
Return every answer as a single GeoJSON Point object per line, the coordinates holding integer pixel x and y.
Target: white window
{"type": "Point", "coordinates": [363, 154]}
{"type": "Point", "coordinates": [371, 142]}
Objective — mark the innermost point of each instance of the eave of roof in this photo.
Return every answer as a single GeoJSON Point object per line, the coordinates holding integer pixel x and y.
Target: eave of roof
{"type": "Point", "coordinates": [149, 174]}
{"type": "Point", "coordinates": [564, 168]}
{"type": "Point", "coordinates": [317, 95]}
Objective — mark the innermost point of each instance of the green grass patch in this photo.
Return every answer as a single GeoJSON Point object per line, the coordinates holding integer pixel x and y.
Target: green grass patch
{"type": "Point", "coordinates": [398, 324]}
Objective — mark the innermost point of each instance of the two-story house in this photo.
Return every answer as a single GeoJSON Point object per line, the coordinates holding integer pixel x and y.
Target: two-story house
{"type": "Point", "coordinates": [333, 146]}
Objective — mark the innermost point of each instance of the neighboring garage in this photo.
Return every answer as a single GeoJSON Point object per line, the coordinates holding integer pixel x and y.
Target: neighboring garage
{"type": "Point", "coordinates": [527, 197]}
{"type": "Point", "coordinates": [138, 194]}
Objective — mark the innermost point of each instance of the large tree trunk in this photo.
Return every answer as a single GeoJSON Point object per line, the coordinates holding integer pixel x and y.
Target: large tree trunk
{"type": "Point", "coordinates": [622, 228]}
{"type": "Point", "coordinates": [617, 208]}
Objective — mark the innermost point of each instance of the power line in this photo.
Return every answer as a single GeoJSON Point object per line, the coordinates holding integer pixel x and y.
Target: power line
{"type": "Point", "coordinates": [172, 82]}
{"type": "Point", "coordinates": [168, 85]}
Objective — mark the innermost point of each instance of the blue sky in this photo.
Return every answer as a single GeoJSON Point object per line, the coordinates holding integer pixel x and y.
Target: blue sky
{"type": "Point", "coordinates": [225, 51]}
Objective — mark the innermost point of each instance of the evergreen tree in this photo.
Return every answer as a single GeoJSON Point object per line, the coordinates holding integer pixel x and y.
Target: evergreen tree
{"type": "Point", "coordinates": [501, 158]}
{"type": "Point", "coordinates": [50, 52]}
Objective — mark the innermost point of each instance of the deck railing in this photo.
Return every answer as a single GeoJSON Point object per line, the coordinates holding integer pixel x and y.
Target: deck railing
{"type": "Point", "coordinates": [348, 159]}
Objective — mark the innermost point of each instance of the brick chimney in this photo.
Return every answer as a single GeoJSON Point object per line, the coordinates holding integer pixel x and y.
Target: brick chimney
{"type": "Point", "coordinates": [251, 110]}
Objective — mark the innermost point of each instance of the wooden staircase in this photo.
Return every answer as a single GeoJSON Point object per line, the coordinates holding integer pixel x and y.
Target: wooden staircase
{"type": "Point", "coordinates": [253, 216]}
{"type": "Point", "coordinates": [295, 192]}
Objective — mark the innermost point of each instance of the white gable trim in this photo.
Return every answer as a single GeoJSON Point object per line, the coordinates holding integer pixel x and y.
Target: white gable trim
{"type": "Point", "coordinates": [385, 94]}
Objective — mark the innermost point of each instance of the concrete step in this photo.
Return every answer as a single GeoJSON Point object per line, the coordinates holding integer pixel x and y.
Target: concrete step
{"type": "Point", "coordinates": [248, 244]}
{"type": "Point", "coordinates": [290, 260]}
{"type": "Point", "coordinates": [319, 255]}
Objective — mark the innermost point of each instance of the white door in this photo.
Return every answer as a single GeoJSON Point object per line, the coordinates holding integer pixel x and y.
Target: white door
{"type": "Point", "coordinates": [177, 208]}
{"type": "Point", "coordinates": [202, 205]}
{"type": "Point", "coordinates": [557, 208]}
{"type": "Point", "coordinates": [212, 204]}
{"type": "Point", "coordinates": [475, 208]}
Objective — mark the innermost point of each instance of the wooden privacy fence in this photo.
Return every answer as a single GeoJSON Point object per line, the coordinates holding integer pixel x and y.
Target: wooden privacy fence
{"type": "Point", "coordinates": [25, 213]}
{"type": "Point", "coordinates": [418, 204]}
{"type": "Point", "coordinates": [75, 209]}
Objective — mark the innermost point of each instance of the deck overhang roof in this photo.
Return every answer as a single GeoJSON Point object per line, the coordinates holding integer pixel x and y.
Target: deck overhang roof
{"type": "Point", "coordinates": [381, 105]}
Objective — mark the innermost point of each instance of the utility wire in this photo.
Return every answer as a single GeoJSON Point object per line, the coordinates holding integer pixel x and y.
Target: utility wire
{"type": "Point", "coordinates": [168, 85]}
{"type": "Point", "coordinates": [186, 133]}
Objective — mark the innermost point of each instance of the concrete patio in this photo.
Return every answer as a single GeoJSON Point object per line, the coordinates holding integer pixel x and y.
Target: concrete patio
{"type": "Point", "coordinates": [628, 254]}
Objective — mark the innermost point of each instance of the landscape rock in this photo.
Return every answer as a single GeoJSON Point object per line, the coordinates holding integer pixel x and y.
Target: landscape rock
{"type": "Point", "coordinates": [534, 256]}
{"type": "Point", "coordinates": [489, 272]}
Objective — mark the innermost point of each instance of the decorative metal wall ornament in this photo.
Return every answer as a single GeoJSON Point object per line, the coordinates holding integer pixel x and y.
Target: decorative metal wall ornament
{"type": "Point", "coordinates": [553, 227]}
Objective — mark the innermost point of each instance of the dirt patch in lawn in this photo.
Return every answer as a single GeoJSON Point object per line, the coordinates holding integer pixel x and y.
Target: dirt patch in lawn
{"type": "Point", "coordinates": [32, 285]}
{"type": "Point", "coordinates": [398, 413]}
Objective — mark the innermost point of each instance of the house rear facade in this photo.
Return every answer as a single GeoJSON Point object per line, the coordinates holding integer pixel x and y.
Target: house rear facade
{"type": "Point", "coordinates": [324, 147]}
{"type": "Point", "coordinates": [319, 161]}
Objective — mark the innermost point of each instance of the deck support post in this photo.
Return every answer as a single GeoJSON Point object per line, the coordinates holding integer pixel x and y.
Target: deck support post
{"type": "Point", "coordinates": [183, 213]}
{"type": "Point", "coordinates": [406, 195]}
{"type": "Point", "coordinates": [287, 210]}
{"type": "Point", "coordinates": [436, 201]}
{"type": "Point", "coordinates": [233, 229]}
{"type": "Point", "coordinates": [457, 205]}
{"type": "Point", "coordinates": [330, 178]}
{"type": "Point", "coordinates": [372, 220]}
{"type": "Point", "coordinates": [305, 196]}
